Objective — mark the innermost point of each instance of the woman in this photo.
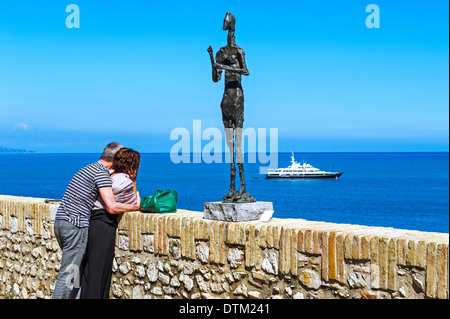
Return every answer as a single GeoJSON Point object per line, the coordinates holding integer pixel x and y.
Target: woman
{"type": "Point", "coordinates": [97, 270]}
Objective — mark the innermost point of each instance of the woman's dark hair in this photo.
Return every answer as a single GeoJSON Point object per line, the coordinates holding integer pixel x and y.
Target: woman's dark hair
{"type": "Point", "coordinates": [126, 160]}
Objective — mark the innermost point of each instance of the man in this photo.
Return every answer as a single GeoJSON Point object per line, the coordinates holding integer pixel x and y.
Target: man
{"type": "Point", "coordinates": [72, 218]}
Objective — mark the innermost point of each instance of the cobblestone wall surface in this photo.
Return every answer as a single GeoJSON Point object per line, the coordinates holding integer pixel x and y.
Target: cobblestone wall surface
{"type": "Point", "coordinates": [182, 255]}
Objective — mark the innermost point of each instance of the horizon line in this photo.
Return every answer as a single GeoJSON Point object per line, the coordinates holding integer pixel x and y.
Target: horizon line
{"type": "Point", "coordinates": [283, 152]}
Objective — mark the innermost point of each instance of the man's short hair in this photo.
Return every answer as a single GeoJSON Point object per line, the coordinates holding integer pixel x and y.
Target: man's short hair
{"type": "Point", "coordinates": [110, 150]}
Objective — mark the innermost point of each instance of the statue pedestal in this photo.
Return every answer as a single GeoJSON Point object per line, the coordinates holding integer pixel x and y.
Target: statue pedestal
{"type": "Point", "coordinates": [238, 212]}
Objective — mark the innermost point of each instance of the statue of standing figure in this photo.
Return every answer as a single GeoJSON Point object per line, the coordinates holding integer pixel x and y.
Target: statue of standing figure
{"type": "Point", "coordinates": [231, 58]}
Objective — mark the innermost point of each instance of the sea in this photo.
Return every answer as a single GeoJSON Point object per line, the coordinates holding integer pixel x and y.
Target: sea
{"type": "Point", "coordinates": [399, 190]}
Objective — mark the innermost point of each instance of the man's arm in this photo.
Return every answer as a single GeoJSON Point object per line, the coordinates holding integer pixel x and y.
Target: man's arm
{"type": "Point", "coordinates": [114, 207]}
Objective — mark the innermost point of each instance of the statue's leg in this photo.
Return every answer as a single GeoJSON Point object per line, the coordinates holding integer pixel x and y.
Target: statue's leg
{"type": "Point", "coordinates": [240, 159]}
{"type": "Point", "coordinates": [227, 107]}
{"type": "Point", "coordinates": [229, 135]}
{"type": "Point", "coordinates": [239, 124]}
{"type": "Point", "coordinates": [242, 195]}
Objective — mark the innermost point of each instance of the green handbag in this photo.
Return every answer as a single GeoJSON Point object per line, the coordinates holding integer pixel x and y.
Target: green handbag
{"type": "Point", "coordinates": [162, 201]}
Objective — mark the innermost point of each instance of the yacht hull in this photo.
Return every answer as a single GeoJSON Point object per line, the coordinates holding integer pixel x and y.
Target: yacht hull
{"type": "Point", "coordinates": [305, 176]}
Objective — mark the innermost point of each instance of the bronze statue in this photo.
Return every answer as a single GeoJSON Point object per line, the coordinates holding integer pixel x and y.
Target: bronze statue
{"type": "Point", "coordinates": [231, 58]}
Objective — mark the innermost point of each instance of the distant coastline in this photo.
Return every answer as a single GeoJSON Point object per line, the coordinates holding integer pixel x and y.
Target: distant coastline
{"type": "Point", "coordinates": [7, 150]}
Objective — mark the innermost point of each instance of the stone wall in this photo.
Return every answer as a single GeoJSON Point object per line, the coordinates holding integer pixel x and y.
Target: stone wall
{"type": "Point", "coordinates": [182, 255]}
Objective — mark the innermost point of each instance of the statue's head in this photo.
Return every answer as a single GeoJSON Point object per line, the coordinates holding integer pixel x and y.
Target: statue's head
{"type": "Point", "coordinates": [229, 22]}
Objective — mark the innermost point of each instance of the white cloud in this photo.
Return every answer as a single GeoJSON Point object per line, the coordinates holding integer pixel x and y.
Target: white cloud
{"type": "Point", "coordinates": [22, 127]}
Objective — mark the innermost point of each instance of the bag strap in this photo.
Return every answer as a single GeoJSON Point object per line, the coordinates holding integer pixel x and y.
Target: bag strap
{"type": "Point", "coordinates": [135, 190]}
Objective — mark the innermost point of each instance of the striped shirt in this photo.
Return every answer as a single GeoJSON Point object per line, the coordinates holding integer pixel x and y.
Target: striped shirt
{"type": "Point", "coordinates": [81, 194]}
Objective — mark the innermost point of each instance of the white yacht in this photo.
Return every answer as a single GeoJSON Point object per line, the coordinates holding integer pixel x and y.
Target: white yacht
{"type": "Point", "coordinates": [300, 171]}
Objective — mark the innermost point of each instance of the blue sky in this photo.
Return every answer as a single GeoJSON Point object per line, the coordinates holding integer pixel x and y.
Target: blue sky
{"type": "Point", "coordinates": [136, 70]}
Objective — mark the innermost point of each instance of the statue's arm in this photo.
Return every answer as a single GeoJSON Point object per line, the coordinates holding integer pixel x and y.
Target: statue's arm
{"type": "Point", "coordinates": [216, 71]}
{"type": "Point", "coordinates": [241, 58]}
{"type": "Point", "coordinates": [243, 67]}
